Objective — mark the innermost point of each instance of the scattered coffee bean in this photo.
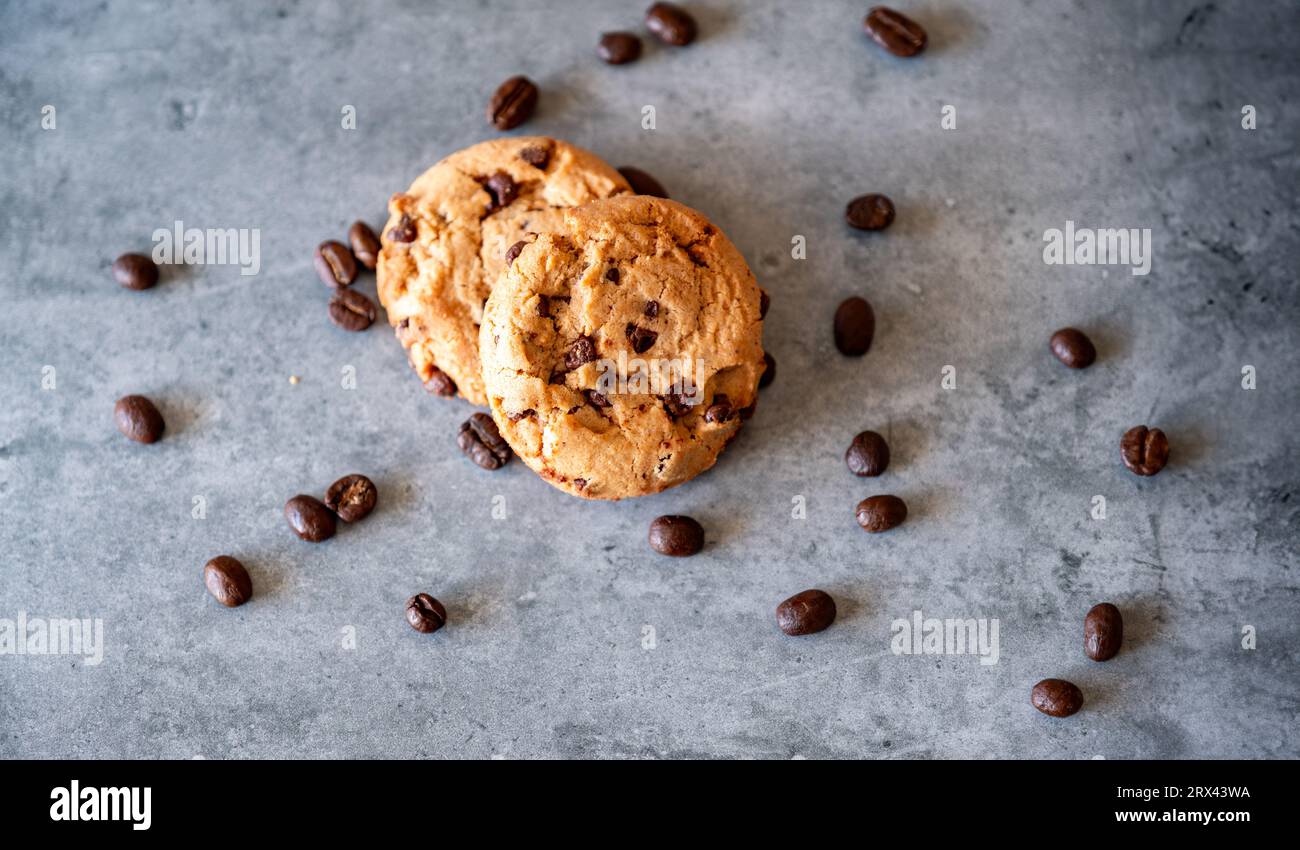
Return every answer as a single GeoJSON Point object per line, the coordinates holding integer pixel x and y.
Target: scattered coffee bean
{"type": "Point", "coordinates": [806, 613]}
{"type": "Point", "coordinates": [365, 244]}
{"type": "Point", "coordinates": [1145, 451]}
{"type": "Point", "coordinates": [678, 536]}
{"type": "Point", "coordinates": [671, 24]}
{"type": "Point", "coordinates": [513, 252]}
{"type": "Point", "coordinates": [769, 374]}
{"type": "Point", "coordinates": [335, 264]}
{"type": "Point", "coordinates": [513, 103]}
{"type": "Point", "coordinates": [582, 351]}
{"type": "Point", "coordinates": [1073, 348]}
{"type": "Point", "coordinates": [1103, 632]}
{"type": "Point", "coordinates": [618, 48]}
{"type": "Point", "coordinates": [480, 440]}
{"type": "Point", "coordinates": [404, 230]}
{"type": "Point", "coordinates": [642, 183]}
{"type": "Point", "coordinates": [894, 31]}
{"type": "Point", "coordinates": [227, 581]}
{"type": "Point", "coordinates": [135, 271]}
{"type": "Point", "coordinates": [440, 383]}
{"type": "Point", "coordinates": [503, 189]}
{"type": "Point", "coordinates": [352, 497]}
{"type": "Point", "coordinates": [351, 310]}
{"type": "Point", "coordinates": [870, 212]}
{"type": "Point", "coordinates": [138, 419]}
{"type": "Point", "coordinates": [310, 519]}
{"type": "Point", "coordinates": [1056, 697]}
{"type": "Point", "coordinates": [425, 614]}
{"type": "Point", "coordinates": [642, 340]}
{"type": "Point", "coordinates": [855, 327]}
{"type": "Point", "coordinates": [720, 410]}
{"type": "Point", "coordinates": [881, 513]}
{"type": "Point", "coordinates": [536, 156]}
{"type": "Point", "coordinates": [868, 455]}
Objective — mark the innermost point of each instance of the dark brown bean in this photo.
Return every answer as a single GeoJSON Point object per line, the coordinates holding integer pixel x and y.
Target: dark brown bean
{"type": "Point", "coordinates": [868, 455]}
{"type": "Point", "coordinates": [855, 327]}
{"type": "Point", "coordinates": [135, 271]}
{"type": "Point", "coordinates": [425, 614]}
{"type": "Point", "coordinates": [440, 383]}
{"type": "Point", "coordinates": [1073, 348]}
{"type": "Point", "coordinates": [512, 103]}
{"type": "Point", "coordinates": [1103, 632]}
{"type": "Point", "coordinates": [365, 244]}
{"type": "Point", "coordinates": [404, 231]}
{"type": "Point", "coordinates": [671, 24]}
{"type": "Point", "coordinates": [806, 613]}
{"type": "Point", "coordinates": [310, 519]}
{"type": "Point", "coordinates": [582, 351]}
{"type": "Point", "coordinates": [678, 536]}
{"type": "Point", "coordinates": [870, 212]}
{"type": "Point", "coordinates": [1144, 451]}
{"type": "Point", "coordinates": [881, 513]}
{"type": "Point", "coordinates": [335, 264]}
{"type": "Point", "coordinates": [482, 443]}
{"type": "Point", "coordinates": [769, 374]}
{"type": "Point", "coordinates": [351, 310]}
{"type": "Point", "coordinates": [618, 48]}
{"type": "Point", "coordinates": [642, 183]}
{"type": "Point", "coordinates": [352, 497]}
{"type": "Point", "coordinates": [138, 419]}
{"type": "Point", "coordinates": [227, 581]}
{"type": "Point", "coordinates": [894, 31]}
{"type": "Point", "coordinates": [1056, 697]}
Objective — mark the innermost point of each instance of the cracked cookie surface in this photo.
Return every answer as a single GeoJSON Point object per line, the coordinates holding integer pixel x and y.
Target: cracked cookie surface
{"type": "Point", "coordinates": [446, 238]}
{"type": "Point", "coordinates": [587, 334]}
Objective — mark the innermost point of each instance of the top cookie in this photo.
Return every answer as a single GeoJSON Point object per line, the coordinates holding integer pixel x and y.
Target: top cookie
{"type": "Point", "coordinates": [446, 237]}
{"type": "Point", "coordinates": [622, 351]}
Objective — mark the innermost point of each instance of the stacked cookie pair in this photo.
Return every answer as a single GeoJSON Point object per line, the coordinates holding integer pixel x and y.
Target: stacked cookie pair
{"type": "Point", "coordinates": [616, 338]}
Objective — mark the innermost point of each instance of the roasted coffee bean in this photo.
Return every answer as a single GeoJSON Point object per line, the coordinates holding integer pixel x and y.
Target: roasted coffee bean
{"type": "Point", "coordinates": [503, 189]}
{"type": "Point", "coordinates": [618, 48]}
{"type": "Point", "coordinates": [351, 310]}
{"type": "Point", "coordinates": [881, 513]}
{"type": "Point", "coordinates": [641, 339]}
{"type": "Point", "coordinates": [536, 156]}
{"type": "Point", "coordinates": [806, 613]}
{"type": "Point", "coordinates": [310, 519]}
{"type": "Point", "coordinates": [365, 244]}
{"type": "Point", "coordinates": [612, 275]}
{"type": "Point", "coordinates": [764, 301]}
{"type": "Point", "coordinates": [440, 383]}
{"type": "Point", "coordinates": [720, 411]}
{"type": "Point", "coordinates": [335, 264]}
{"type": "Point", "coordinates": [1073, 348]}
{"type": "Point", "coordinates": [513, 252]}
{"type": "Point", "coordinates": [1145, 451]}
{"type": "Point", "coordinates": [596, 398]}
{"type": "Point", "coordinates": [678, 536]}
{"type": "Point", "coordinates": [135, 271]}
{"type": "Point", "coordinates": [651, 310]}
{"type": "Point", "coordinates": [513, 103]}
{"type": "Point", "coordinates": [671, 24]}
{"type": "Point", "coordinates": [894, 31]}
{"type": "Point", "coordinates": [769, 374]}
{"type": "Point", "coordinates": [425, 614]}
{"type": "Point", "coordinates": [868, 455]}
{"type": "Point", "coordinates": [1056, 697]}
{"type": "Point", "coordinates": [582, 351]}
{"type": "Point", "coordinates": [404, 230]}
{"type": "Point", "coordinates": [227, 581]}
{"type": "Point", "coordinates": [642, 183]}
{"type": "Point", "coordinates": [352, 497]}
{"type": "Point", "coordinates": [480, 440]}
{"type": "Point", "coordinates": [138, 419]}
{"type": "Point", "coordinates": [1103, 632]}
{"type": "Point", "coordinates": [855, 327]}
{"type": "Point", "coordinates": [870, 212]}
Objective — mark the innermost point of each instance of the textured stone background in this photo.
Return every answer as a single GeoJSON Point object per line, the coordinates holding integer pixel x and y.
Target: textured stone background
{"type": "Point", "coordinates": [227, 115]}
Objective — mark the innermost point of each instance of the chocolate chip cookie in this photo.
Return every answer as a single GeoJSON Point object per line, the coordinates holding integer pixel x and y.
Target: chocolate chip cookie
{"type": "Point", "coordinates": [447, 237]}
{"type": "Point", "coordinates": [622, 349]}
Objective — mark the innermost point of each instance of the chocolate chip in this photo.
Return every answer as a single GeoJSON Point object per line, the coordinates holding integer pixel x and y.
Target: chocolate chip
{"type": "Point", "coordinates": [1103, 632]}
{"type": "Point", "coordinates": [868, 454]}
{"type": "Point", "coordinates": [480, 440]}
{"type": "Point", "coordinates": [678, 536]}
{"type": "Point", "coordinates": [651, 309]}
{"type": "Point", "coordinates": [596, 398]}
{"type": "Point", "coordinates": [1073, 348]}
{"type": "Point", "coordinates": [403, 231]}
{"type": "Point", "coordinates": [1056, 697]}
{"type": "Point", "coordinates": [523, 414]}
{"type": "Point", "coordinates": [365, 244]}
{"type": "Point", "coordinates": [514, 251]}
{"type": "Point", "coordinates": [881, 513]}
{"type": "Point", "coordinates": [135, 271]}
{"type": "Point", "coordinates": [675, 404]}
{"type": "Point", "coordinates": [536, 156]}
{"type": "Point", "coordinates": [440, 383]}
{"type": "Point", "coordinates": [351, 310]}
{"type": "Point", "coordinates": [352, 497]}
{"type": "Point", "coordinates": [618, 48]}
{"type": "Point", "coordinates": [641, 338]}
{"type": "Point", "coordinates": [138, 419]}
{"type": "Point", "coordinates": [855, 327]}
{"type": "Point", "coordinates": [513, 103]}
{"type": "Point", "coordinates": [1145, 451]}
{"type": "Point", "coordinates": [227, 581]}
{"type": "Point", "coordinates": [894, 31]}
{"type": "Point", "coordinates": [425, 614]}
{"type": "Point", "coordinates": [503, 189]}
{"type": "Point", "coordinates": [720, 411]}
{"type": "Point", "coordinates": [582, 351]}
{"type": "Point", "coordinates": [612, 276]}
{"type": "Point", "coordinates": [806, 613]}
{"type": "Point", "coordinates": [671, 24]}
{"type": "Point", "coordinates": [310, 519]}
{"type": "Point", "coordinates": [769, 374]}
{"type": "Point", "coordinates": [870, 212]}
{"type": "Point", "coordinates": [335, 264]}
{"type": "Point", "coordinates": [642, 183]}
{"type": "Point", "coordinates": [543, 306]}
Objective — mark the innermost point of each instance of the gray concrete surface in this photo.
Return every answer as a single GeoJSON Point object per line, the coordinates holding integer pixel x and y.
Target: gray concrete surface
{"type": "Point", "coordinates": [228, 115]}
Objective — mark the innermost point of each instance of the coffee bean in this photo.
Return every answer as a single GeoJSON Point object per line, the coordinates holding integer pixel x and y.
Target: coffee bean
{"type": "Point", "coordinates": [351, 310]}
{"type": "Point", "coordinates": [335, 264]}
{"type": "Point", "coordinates": [536, 156]}
{"type": "Point", "coordinates": [138, 419]}
{"type": "Point", "coordinates": [867, 455]}
{"type": "Point", "coordinates": [513, 252]}
{"type": "Point", "coordinates": [678, 536]}
{"type": "Point", "coordinates": [641, 339]}
{"type": "Point", "coordinates": [855, 327]}
{"type": "Point", "coordinates": [582, 351]}
{"type": "Point", "coordinates": [618, 48]}
{"type": "Point", "coordinates": [227, 581]}
{"type": "Point", "coordinates": [135, 271]}
{"type": "Point", "coordinates": [513, 103]}
{"type": "Point", "coordinates": [881, 513]}
{"type": "Point", "coordinates": [806, 613]}
{"type": "Point", "coordinates": [1145, 451]}
{"type": "Point", "coordinates": [1056, 697]}
{"type": "Point", "coordinates": [1073, 348]}
{"type": "Point", "coordinates": [404, 230]}
{"type": "Point", "coordinates": [769, 374]}
{"type": "Point", "coordinates": [719, 411]}
{"type": "Point", "coordinates": [365, 244]}
{"type": "Point", "coordinates": [671, 24]}
{"type": "Point", "coordinates": [870, 212]}
{"type": "Point", "coordinates": [1103, 632]}
{"type": "Point", "coordinates": [642, 183]}
{"type": "Point", "coordinates": [310, 519]}
{"type": "Point", "coordinates": [425, 614]}
{"type": "Point", "coordinates": [480, 440]}
{"type": "Point", "coordinates": [894, 31]}
{"type": "Point", "coordinates": [764, 301]}
{"type": "Point", "coordinates": [503, 189]}
{"type": "Point", "coordinates": [352, 497]}
{"type": "Point", "coordinates": [440, 383]}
